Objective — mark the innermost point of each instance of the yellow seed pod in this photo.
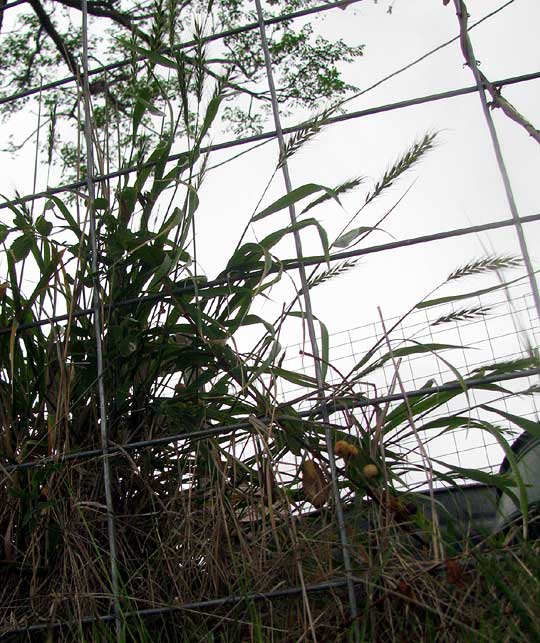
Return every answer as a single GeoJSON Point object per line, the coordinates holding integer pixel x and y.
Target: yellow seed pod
{"type": "Point", "coordinates": [370, 471]}
{"type": "Point", "coordinates": [345, 450]}
{"type": "Point", "coordinates": [315, 483]}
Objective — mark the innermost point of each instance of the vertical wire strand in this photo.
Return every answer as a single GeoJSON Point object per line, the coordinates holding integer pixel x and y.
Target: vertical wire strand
{"type": "Point", "coordinates": [311, 330]}
{"type": "Point", "coordinates": [461, 11]}
{"type": "Point", "coordinates": [104, 427]}
{"type": "Point", "coordinates": [36, 155]}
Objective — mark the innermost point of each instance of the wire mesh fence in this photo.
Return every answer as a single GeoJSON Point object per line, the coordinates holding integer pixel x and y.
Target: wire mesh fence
{"type": "Point", "coordinates": [502, 333]}
{"type": "Point", "coordinates": [217, 487]}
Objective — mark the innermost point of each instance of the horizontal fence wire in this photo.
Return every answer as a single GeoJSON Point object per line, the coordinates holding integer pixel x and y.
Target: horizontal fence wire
{"type": "Point", "coordinates": [490, 339]}
{"type": "Point", "coordinates": [233, 32]}
{"type": "Point", "coordinates": [255, 138]}
{"type": "Point", "coordinates": [251, 26]}
{"type": "Point", "coordinates": [232, 600]}
{"type": "Point", "coordinates": [169, 609]}
{"type": "Point", "coordinates": [333, 407]}
{"type": "Point", "coordinates": [428, 53]}
{"type": "Point", "coordinates": [287, 264]}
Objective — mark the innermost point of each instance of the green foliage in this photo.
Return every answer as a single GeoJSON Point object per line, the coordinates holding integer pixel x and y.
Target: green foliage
{"type": "Point", "coordinates": [159, 70]}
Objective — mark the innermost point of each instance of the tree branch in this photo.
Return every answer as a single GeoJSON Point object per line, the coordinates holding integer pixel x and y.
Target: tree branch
{"type": "Point", "coordinates": [2, 3]}
{"type": "Point", "coordinates": [23, 80]}
{"type": "Point", "coordinates": [102, 10]}
{"type": "Point", "coordinates": [495, 93]}
{"type": "Point", "coordinates": [49, 27]}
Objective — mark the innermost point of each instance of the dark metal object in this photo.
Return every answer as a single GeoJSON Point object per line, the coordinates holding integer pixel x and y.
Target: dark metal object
{"type": "Point", "coordinates": [158, 611]}
{"type": "Point", "coordinates": [464, 512]}
{"type": "Point", "coordinates": [526, 449]}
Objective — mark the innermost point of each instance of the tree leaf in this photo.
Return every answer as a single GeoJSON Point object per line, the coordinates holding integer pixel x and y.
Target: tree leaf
{"type": "Point", "coordinates": [21, 247]}
{"type": "Point", "coordinates": [43, 226]}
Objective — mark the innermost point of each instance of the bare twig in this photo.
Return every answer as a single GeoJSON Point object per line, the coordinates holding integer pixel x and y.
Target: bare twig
{"type": "Point", "coordinates": [494, 91]}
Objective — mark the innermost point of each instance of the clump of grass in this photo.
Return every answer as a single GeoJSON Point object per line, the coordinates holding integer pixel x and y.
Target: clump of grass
{"type": "Point", "coordinates": [214, 509]}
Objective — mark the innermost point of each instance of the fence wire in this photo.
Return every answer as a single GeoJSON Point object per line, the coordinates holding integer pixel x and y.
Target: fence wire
{"type": "Point", "coordinates": [255, 138]}
{"type": "Point", "coordinates": [313, 414]}
{"type": "Point", "coordinates": [285, 265]}
{"type": "Point", "coordinates": [481, 81]}
{"type": "Point", "coordinates": [252, 26]}
{"type": "Point", "coordinates": [98, 326]}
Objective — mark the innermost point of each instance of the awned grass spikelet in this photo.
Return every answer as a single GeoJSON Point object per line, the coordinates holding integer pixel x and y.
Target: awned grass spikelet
{"type": "Point", "coordinates": [302, 136]}
{"type": "Point", "coordinates": [340, 189]}
{"type": "Point", "coordinates": [334, 271]}
{"type": "Point", "coordinates": [462, 315]}
{"type": "Point", "coordinates": [404, 163]}
{"type": "Point", "coordinates": [487, 264]}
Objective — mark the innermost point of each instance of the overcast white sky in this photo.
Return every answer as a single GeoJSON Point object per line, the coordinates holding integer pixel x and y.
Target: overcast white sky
{"type": "Point", "coordinates": [457, 184]}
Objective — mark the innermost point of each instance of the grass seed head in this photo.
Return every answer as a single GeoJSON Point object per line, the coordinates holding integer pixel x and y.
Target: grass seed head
{"type": "Point", "coordinates": [345, 450]}
{"type": "Point", "coordinates": [315, 483]}
{"type": "Point", "coordinates": [370, 471]}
